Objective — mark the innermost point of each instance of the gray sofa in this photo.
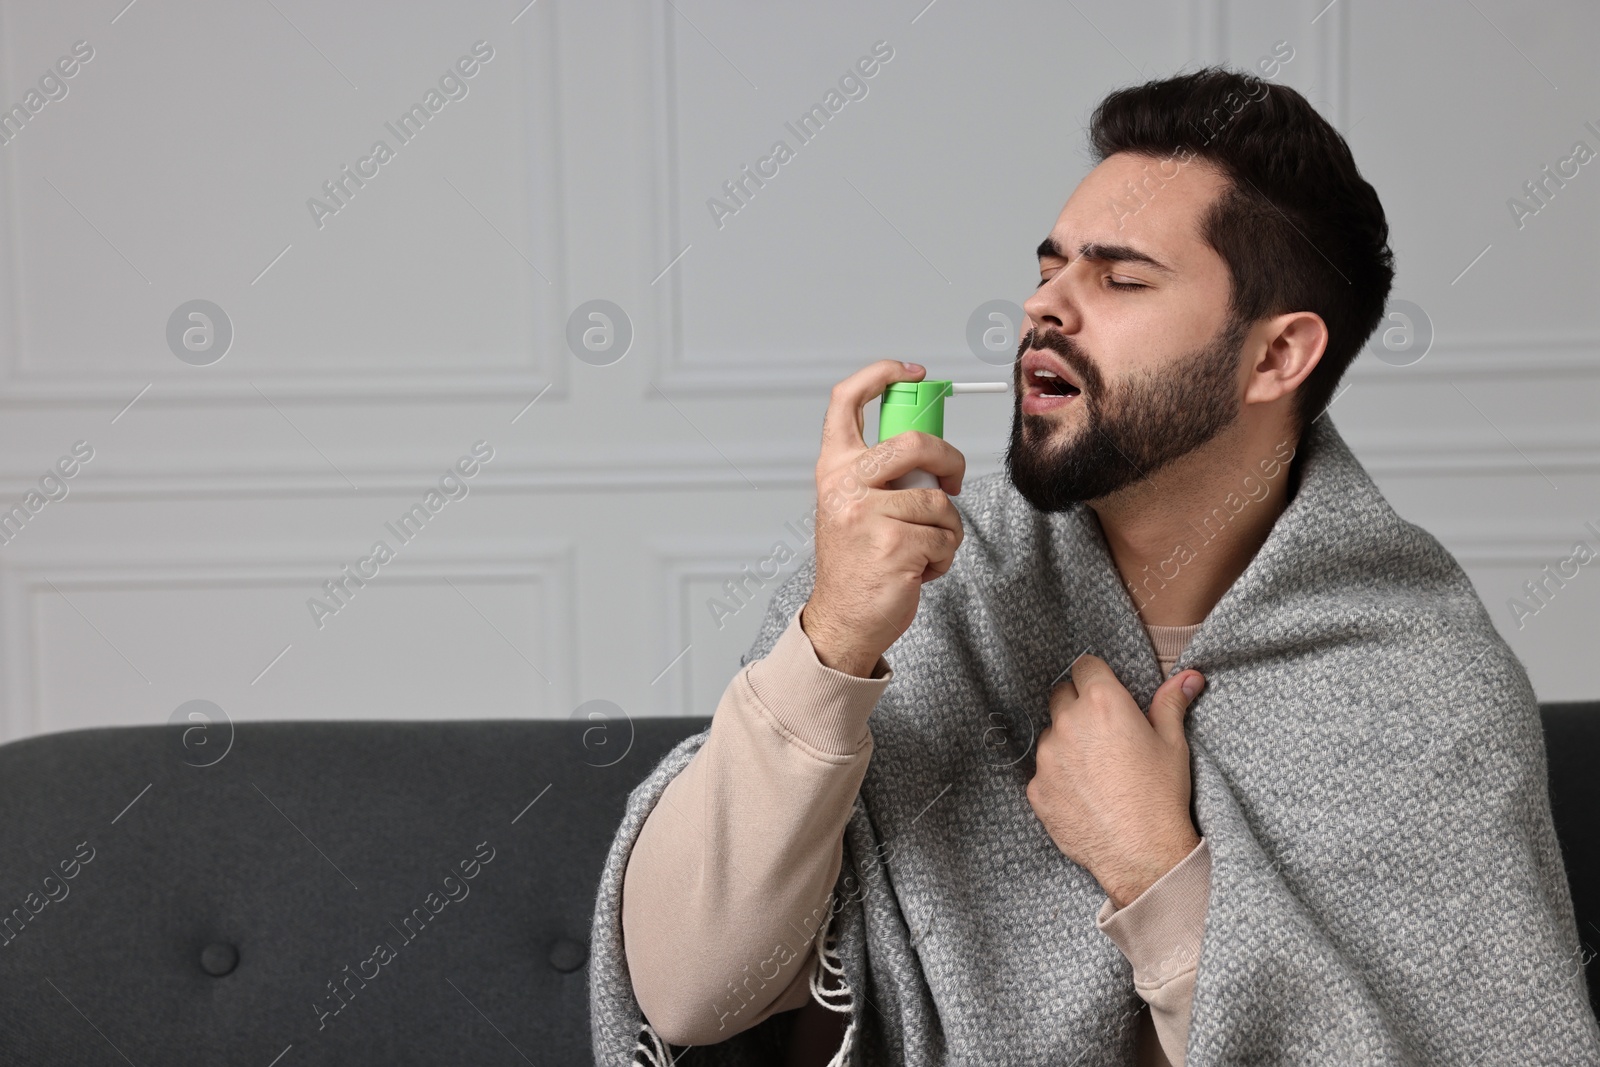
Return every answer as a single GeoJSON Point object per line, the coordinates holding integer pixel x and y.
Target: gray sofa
{"type": "Point", "coordinates": [180, 898]}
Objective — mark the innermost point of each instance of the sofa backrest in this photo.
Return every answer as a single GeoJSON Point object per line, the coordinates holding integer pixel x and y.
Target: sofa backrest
{"type": "Point", "coordinates": [200, 914]}
{"type": "Point", "coordinates": [1572, 748]}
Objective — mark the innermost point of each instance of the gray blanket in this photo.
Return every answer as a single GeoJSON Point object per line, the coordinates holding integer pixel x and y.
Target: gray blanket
{"type": "Point", "coordinates": [1369, 770]}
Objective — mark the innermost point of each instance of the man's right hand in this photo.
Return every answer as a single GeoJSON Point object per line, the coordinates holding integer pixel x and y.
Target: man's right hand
{"type": "Point", "coordinates": [875, 545]}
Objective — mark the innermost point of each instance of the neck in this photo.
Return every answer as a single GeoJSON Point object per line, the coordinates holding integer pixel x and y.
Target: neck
{"type": "Point", "coordinates": [1182, 537]}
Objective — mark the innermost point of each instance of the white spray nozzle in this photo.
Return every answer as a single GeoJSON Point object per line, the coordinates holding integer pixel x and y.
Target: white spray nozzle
{"type": "Point", "coordinates": [980, 387]}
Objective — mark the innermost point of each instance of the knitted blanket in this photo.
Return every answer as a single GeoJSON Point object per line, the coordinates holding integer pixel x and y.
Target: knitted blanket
{"type": "Point", "coordinates": [1368, 768]}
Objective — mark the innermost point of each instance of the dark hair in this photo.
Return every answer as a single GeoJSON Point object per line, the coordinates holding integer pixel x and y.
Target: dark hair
{"type": "Point", "coordinates": [1298, 226]}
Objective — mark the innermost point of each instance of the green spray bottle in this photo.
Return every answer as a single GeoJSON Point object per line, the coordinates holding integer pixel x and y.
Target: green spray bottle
{"type": "Point", "coordinates": [920, 406]}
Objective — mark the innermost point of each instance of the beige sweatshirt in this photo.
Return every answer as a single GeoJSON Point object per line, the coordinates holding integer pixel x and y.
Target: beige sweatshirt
{"type": "Point", "coordinates": [736, 863]}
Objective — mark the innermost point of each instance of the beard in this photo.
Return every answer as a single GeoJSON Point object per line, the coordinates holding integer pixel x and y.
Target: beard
{"type": "Point", "coordinates": [1129, 433]}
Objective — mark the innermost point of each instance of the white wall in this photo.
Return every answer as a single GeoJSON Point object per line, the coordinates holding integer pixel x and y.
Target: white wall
{"type": "Point", "coordinates": [425, 315]}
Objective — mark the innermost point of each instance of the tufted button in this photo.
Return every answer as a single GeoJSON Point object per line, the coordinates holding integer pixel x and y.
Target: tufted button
{"type": "Point", "coordinates": [567, 955]}
{"type": "Point", "coordinates": [218, 959]}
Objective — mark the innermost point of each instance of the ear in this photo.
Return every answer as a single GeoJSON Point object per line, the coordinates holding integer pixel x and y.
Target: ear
{"type": "Point", "coordinates": [1291, 345]}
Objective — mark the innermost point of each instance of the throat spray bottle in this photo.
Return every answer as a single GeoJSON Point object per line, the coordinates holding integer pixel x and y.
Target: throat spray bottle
{"type": "Point", "coordinates": [920, 406]}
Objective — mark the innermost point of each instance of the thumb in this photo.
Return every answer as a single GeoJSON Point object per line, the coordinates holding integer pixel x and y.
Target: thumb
{"type": "Point", "coordinates": [1171, 702]}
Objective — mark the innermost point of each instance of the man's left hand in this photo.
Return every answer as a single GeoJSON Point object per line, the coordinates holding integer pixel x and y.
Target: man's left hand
{"type": "Point", "coordinates": [1111, 786]}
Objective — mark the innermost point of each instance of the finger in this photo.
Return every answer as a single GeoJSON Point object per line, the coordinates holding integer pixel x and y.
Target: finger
{"type": "Point", "coordinates": [919, 546]}
{"type": "Point", "coordinates": [1170, 703]}
{"type": "Point", "coordinates": [842, 425]}
{"type": "Point", "coordinates": [912, 449]}
{"type": "Point", "coordinates": [924, 507]}
{"type": "Point", "coordinates": [937, 570]}
{"type": "Point", "coordinates": [1089, 669]}
{"type": "Point", "coordinates": [1063, 694]}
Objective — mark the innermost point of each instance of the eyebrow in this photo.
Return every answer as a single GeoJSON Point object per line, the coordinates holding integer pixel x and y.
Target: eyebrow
{"type": "Point", "coordinates": [1104, 253]}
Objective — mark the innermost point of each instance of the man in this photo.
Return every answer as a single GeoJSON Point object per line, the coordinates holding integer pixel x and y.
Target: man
{"type": "Point", "coordinates": [1341, 853]}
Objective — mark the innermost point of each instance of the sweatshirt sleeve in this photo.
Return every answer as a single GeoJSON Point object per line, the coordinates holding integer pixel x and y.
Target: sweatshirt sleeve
{"type": "Point", "coordinates": [1160, 932]}
{"type": "Point", "coordinates": [729, 881]}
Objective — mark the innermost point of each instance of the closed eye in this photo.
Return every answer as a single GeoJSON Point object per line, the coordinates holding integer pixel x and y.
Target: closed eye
{"type": "Point", "coordinates": [1109, 282]}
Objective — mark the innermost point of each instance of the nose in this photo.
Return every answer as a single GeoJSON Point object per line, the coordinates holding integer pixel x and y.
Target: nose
{"type": "Point", "coordinates": [1054, 304]}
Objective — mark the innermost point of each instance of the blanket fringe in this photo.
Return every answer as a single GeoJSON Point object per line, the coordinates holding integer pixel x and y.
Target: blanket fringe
{"type": "Point", "coordinates": [828, 963]}
{"type": "Point", "coordinates": [660, 1056]}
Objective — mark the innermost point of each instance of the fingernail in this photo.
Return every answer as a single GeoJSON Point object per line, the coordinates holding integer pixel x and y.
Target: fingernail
{"type": "Point", "coordinates": [1192, 685]}
{"type": "Point", "coordinates": [910, 366]}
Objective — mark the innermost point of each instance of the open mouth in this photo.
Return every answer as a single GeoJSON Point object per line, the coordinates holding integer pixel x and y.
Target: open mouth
{"type": "Point", "coordinates": [1047, 384]}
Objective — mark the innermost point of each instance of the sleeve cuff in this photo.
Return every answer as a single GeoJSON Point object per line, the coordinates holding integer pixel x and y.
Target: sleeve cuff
{"type": "Point", "coordinates": [1160, 930]}
{"type": "Point", "coordinates": [825, 708]}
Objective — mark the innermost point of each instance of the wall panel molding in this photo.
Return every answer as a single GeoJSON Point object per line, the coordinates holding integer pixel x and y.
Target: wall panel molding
{"type": "Point", "coordinates": [676, 567]}
{"type": "Point", "coordinates": [26, 384]}
{"type": "Point", "coordinates": [549, 565]}
{"type": "Point", "coordinates": [781, 465]}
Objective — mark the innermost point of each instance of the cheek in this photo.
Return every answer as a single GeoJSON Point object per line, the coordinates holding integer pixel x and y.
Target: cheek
{"type": "Point", "coordinates": [1132, 336]}
{"type": "Point", "coordinates": [1169, 330]}
{"type": "Point", "coordinates": [1153, 342]}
